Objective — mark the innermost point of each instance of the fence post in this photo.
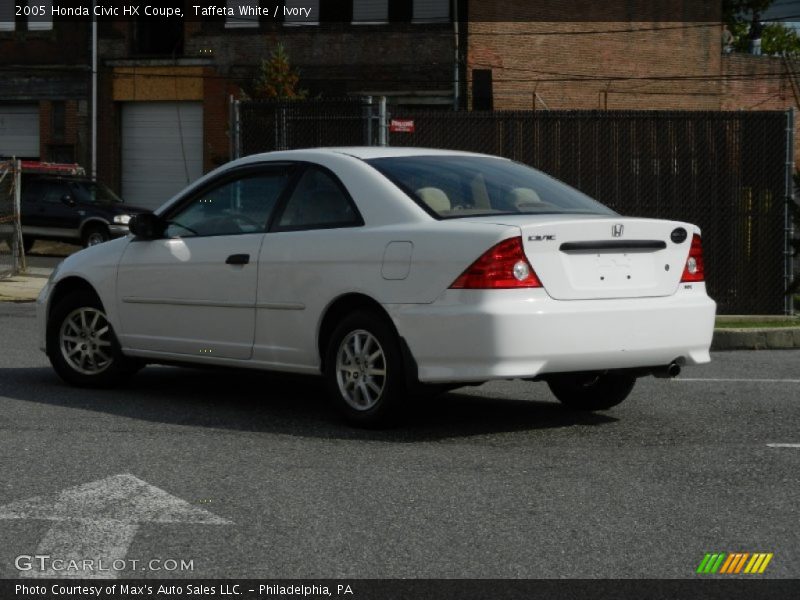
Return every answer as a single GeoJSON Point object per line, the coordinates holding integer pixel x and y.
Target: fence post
{"type": "Point", "coordinates": [788, 253]}
{"type": "Point", "coordinates": [19, 249]}
{"type": "Point", "coordinates": [283, 134]}
{"type": "Point", "coordinates": [231, 130]}
{"type": "Point", "coordinates": [234, 117]}
{"type": "Point", "coordinates": [383, 132]}
{"type": "Point", "coordinates": [370, 116]}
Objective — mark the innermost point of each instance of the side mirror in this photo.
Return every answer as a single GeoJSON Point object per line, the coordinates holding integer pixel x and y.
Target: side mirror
{"type": "Point", "coordinates": [147, 226]}
{"type": "Point", "coordinates": [68, 200]}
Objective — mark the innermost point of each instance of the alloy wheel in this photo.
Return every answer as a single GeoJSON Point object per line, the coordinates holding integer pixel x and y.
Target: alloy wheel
{"type": "Point", "coordinates": [85, 341]}
{"type": "Point", "coordinates": [361, 370]}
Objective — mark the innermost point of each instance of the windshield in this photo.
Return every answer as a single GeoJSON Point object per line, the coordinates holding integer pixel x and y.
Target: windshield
{"type": "Point", "coordinates": [468, 186]}
{"type": "Point", "coordinates": [96, 192]}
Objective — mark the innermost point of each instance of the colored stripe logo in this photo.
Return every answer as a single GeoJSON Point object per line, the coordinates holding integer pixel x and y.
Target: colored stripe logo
{"type": "Point", "coordinates": [734, 563]}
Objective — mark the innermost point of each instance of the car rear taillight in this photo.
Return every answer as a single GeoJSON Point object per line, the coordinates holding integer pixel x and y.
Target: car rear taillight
{"type": "Point", "coordinates": [694, 270]}
{"type": "Point", "coordinates": [503, 266]}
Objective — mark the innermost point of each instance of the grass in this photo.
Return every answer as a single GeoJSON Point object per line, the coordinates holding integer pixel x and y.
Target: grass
{"type": "Point", "coordinates": [747, 324]}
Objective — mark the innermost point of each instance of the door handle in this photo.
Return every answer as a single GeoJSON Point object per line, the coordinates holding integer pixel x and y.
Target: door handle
{"type": "Point", "coordinates": [238, 259]}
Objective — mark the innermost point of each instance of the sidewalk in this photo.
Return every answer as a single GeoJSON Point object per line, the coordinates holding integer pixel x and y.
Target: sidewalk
{"type": "Point", "coordinates": [24, 287]}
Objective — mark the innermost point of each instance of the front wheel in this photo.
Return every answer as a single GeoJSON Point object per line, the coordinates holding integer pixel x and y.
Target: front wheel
{"type": "Point", "coordinates": [82, 346]}
{"type": "Point", "coordinates": [591, 391]}
{"type": "Point", "coordinates": [364, 370]}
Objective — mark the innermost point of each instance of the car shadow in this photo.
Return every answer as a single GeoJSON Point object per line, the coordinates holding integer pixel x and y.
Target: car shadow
{"type": "Point", "coordinates": [287, 404]}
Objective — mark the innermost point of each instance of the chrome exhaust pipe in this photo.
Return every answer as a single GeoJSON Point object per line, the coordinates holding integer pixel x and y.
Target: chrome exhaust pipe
{"type": "Point", "coordinates": [671, 370]}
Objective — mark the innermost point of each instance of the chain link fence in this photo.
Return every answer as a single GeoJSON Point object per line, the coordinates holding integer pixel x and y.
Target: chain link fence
{"type": "Point", "coordinates": [724, 171]}
{"type": "Point", "coordinates": [264, 126]}
{"type": "Point", "coordinates": [12, 257]}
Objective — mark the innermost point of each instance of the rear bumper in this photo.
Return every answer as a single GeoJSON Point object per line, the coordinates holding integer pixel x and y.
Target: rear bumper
{"type": "Point", "coordinates": [470, 336]}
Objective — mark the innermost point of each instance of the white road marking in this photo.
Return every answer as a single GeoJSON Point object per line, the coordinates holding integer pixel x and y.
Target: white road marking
{"type": "Point", "coordinates": [98, 521]}
{"type": "Point", "coordinates": [784, 445]}
{"type": "Point", "coordinates": [739, 380]}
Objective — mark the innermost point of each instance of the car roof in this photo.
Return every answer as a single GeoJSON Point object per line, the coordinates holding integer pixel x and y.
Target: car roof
{"type": "Point", "coordinates": [365, 152]}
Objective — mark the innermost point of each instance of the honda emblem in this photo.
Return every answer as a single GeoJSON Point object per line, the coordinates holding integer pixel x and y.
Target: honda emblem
{"type": "Point", "coordinates": [616, 230]}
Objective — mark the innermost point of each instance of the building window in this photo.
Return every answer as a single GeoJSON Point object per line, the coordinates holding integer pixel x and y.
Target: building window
{"type": "Point", "coordinates": [482, 92]}
{"type": "Point", "coordinates": [7, 11]}
{"type": "Point", "coordinates": [431, 11]}
{"type": "Point", "coordinates": [335, 12]}
{"type": "Point", "coordinates": [43, 19]}
{"type": "Point", "coordinates": [159, 37]}
{"type": "Point", "coordinates": [370, 11]}
{"type": "Point", "coordinates": [301, 12]}
{"type": "Point", "coordinates": [246, 14]}
{"type": "Point", "coordinates": [401, 11]}
{"type": "Point", "coordinates": [58, 120]}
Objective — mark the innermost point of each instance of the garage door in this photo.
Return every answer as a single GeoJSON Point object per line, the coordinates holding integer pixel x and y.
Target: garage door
{"type": "Point", "coordinates": [162, 150]}
{"type": "Point", "coordinates": [19, 130]}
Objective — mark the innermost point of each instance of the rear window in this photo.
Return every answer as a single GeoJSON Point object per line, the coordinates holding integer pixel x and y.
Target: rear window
{"type": "Point", "coordinates": [467, 186]}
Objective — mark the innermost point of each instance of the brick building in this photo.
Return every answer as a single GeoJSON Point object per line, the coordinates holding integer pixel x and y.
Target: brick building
{"type": "Point", "coordinates": [45, 79]}
{"type": "Point", "coordinates": [617, 56]}
{"type": "Point", "coordinates": [165, 85]}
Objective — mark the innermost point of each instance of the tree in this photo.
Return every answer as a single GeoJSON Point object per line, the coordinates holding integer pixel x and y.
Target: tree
{"type": "Point", "coordinates": [744, 16]}
{"type": "Point", "coordinates": [743, 10]}
{"type": "Point", "coordinates": [277, 79]}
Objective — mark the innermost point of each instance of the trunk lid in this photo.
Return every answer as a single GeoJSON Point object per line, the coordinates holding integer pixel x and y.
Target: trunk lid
{"type": "Point", "coordinates": [606, 257]}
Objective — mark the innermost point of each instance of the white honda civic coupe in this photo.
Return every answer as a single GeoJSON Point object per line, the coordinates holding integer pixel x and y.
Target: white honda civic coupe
{"type": "Point", "coordinates": [388, 271]}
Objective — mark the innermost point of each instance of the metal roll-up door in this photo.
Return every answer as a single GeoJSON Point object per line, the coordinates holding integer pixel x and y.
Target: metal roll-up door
{"type": "Point", "coordinates": [162, 150]}
{"type": "Point", "coordinates": [19, 130]}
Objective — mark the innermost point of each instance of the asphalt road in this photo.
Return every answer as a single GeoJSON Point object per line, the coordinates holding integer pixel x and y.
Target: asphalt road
{"type": "Point", "coordinates": [496, 481]}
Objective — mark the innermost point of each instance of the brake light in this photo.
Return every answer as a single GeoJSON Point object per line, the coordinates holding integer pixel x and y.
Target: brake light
{"type": "Point", "coordinates": [694, 270]}
{"type": "Point", "coordinates": [503, 266]}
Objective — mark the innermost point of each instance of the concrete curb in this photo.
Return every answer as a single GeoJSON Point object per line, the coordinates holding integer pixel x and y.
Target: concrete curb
{"type": "Point", "coordinates": [756, 338]}
{"type": "Point", "coordinates": [24, 287]}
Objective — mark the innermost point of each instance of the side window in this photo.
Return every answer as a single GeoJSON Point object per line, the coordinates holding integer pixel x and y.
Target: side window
{"type": "Point", "coordinates": [55, 191]}
{"type": "Point", "coordinates": [318, 202]}
{"type": "Point", "coordinates": [239, 206]}
{"type": "Point", "coordinates": [33, 190]}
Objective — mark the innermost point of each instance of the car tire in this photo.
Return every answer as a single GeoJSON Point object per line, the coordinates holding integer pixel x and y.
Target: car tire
{"type": "Point", "coordinates": [591, 391]}
{"type": "Point", "coordinates": [82, 346]}
{"type": "Point", "coordinates": [95, 234]}
{"type": "Point", "coordinates": [364, 370]}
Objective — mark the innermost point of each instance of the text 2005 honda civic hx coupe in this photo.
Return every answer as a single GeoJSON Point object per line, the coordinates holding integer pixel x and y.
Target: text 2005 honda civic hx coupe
{"type": "Point", "coordinates": [387, 270]}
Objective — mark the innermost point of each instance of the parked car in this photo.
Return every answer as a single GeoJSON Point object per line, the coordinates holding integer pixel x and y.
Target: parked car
{"type": "Point", "coordinates": [57, 205]}
{"type": "Point", "coordinates": [387, 270]}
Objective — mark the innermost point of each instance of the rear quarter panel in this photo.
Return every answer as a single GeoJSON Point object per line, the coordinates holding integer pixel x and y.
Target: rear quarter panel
{"type": "Point", "coordinates": [302, 273]}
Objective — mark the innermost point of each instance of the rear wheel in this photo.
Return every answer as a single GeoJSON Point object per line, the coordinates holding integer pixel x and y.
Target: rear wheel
{"type": "Point", "coordinates": [81, 343]}
{"type": "Point", "coordinates": [95, 234]}
{"type": "Point", "coordinates": [591, 391]}
{"type": "Point", "coordinates": [364, 370]}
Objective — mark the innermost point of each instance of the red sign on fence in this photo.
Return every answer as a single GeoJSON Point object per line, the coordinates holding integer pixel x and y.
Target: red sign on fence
{"type": "Point", "coordinates": [401, 126]}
